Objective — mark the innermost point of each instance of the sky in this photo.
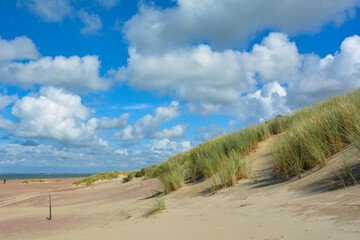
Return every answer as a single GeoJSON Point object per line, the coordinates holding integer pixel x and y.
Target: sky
{"type": "Point", "coordinates": [90, 86]}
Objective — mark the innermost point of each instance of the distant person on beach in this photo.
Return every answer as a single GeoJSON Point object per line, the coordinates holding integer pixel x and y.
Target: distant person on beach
{"type": "Point", "coordinates": [4, 180]}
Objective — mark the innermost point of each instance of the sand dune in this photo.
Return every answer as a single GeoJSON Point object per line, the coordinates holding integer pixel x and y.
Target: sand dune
{"type": "Point", "coordinates": [316, 206]}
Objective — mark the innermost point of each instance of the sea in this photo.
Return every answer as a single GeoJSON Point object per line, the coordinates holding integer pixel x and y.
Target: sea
{"type": "Point", "coordinates": [12, 176]}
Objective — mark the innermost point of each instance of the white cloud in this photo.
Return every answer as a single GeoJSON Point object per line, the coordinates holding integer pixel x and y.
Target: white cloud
{"type": "Point", "coordinates": [49, 10]}
{"type": "Point", "coordinates": [276, 58]}
{"type": "Point", "coordinates": [226, 82]}
{"type": "Point", "coordinates": [196, 74]}
{"type": "Point", "coordinates": [6, 100]}
{"type": "Point", "coordinates": [105, 123]}
{"type": "Point", "coordinates": [108, 3]}
{"type": "Point", "coordinates": [76, 73]}
{"type": "Point", "coordinates": [57, 115]}
{"type": "Point", "coordinates": [5, 123]}
{"type": "Point", "coordinates": [175, 132]}
{"type": "Point", "coordinates": [228, 23]}
{"type": "Point", "coordinates": [210, 79]}
{"type": "Point", "coordinates": [267, 102]}
{"type": "Point", "coordinates": [167, 147]}
{"type": "Point", "coordinates": [53, 114]}
{"type": "Point", "coordinates": [320, 78]}
{"type": "Point", "coordinates": [92, 22]}
{"type": "Point", "coordinates": [19, 48]}
{"type": "Point", "coordinates": [148, 124]}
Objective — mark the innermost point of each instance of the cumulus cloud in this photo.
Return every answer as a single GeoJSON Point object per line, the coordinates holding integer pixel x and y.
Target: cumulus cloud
{"type": "Point", "coordinates": [320, 78]}
{"type": "Point", "coordinates": [148, 124]}
{"type": "Point", "coordinates": [105, 123]}
{"type": "Point", "coordinates": [266, 102]}
{"type": "Point", "coordinates": [76, 73]}
{"type": "Point", "coordinates": [194, 74]}
{"type": "Point", "coordinates": [58, 115]}
{"type": "Point", "coordinates": [200, 74]}
{"type": "Point", "coordinates": [54, 114]}
{"type": "Point", "coordinates": [210, 79]}
{"type": "Point", "coordinates": [175, 132]}
{"type": "Point", "coordinates": [228, 23]}
{"type": "Point", "coordinates": [48, 10]}
{"type": "Point", "coordinates": [227, 82]}
{"type": "Point", "coordinates": [167, 147]}
{"type": "Point", "coordinates": [92, 22]}
{"type": "Point", "coordinates": [19, 48]}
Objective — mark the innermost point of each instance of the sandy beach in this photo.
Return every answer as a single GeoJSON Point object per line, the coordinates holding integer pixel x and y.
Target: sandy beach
{"type": "Point", "coordinates": [316, 206]}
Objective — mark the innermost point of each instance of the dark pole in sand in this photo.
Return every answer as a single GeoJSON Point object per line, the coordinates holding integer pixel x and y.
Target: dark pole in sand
{"type": "Point", "coordinates": [49, 218]}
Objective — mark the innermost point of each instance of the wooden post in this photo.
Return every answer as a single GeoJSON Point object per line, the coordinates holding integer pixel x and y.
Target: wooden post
{"type": "Point", "coordinates": [49, 218]}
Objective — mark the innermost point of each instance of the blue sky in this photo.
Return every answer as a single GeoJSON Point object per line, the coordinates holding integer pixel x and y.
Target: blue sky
{"type": "Point", "coordinates": [90, 86]}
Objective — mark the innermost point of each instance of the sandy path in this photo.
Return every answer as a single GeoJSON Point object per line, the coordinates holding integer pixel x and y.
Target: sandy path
{"type": "Point", "coordinates": [270, 209]}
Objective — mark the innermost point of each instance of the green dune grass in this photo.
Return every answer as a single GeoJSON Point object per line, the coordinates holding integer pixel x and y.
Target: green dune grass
{"type": "Point", "coordinates": [317, 133]}
{"type": "Point", "coordinates": [309, 136]}
{"type": "Point", "coordinates": [99, 176]}
{"type": "Point", "coordinates": [34, 181]}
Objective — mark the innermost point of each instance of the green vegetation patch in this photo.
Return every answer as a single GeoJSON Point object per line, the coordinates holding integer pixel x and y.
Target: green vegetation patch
{"type": "Point", "coordinates": [157, 206]}
{"type": "Point", "coordinates": [34, 181]}
{"type": "Point", "coordinates": [316, 133]}
{"type": "Point", "coordinates": [99, 176]}
{"type": "Point", "coordinates": [129, 177]}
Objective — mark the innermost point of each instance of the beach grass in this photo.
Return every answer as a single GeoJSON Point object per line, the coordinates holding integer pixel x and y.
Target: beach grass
{"type": "Point", "coordinates": [99, 176]}
{"type": "Point", "coordinates": [158, 205]}
{"type": "Point", "coordinates": [309, 137]}
{"type": "Point", "coordinates": [172, 177]}
{"type": "Point", "coordinates": [128, 178]}
{"type": "Point", "coordinates": [34, 181]}
{"type": "Point", "coordinates": [316, 133]}
{"type": "Point", "coordinates": [214, 185]}
{"type": "Point", "coordinates": [213, 156]}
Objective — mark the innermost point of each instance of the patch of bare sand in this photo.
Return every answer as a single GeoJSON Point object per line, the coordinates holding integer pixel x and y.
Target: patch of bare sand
{"type": "Point", "coordinates": [312, 207]}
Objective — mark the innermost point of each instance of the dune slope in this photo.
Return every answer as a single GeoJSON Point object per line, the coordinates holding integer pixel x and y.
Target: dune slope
{"type": "Point", "coordinates": [317, 206]}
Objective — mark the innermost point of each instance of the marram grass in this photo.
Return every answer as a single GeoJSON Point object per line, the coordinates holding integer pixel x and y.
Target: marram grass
{"type": "Point", "coordinates": [34, 181]}
{"type": "Point", "coordinates": [99, 176]}
{"type": "Point", "coordinates": [311, 135]}
{"type": "Point", "coordinates": [318, 133]}
{"type": "Point", "coordinates": [158, 205]}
